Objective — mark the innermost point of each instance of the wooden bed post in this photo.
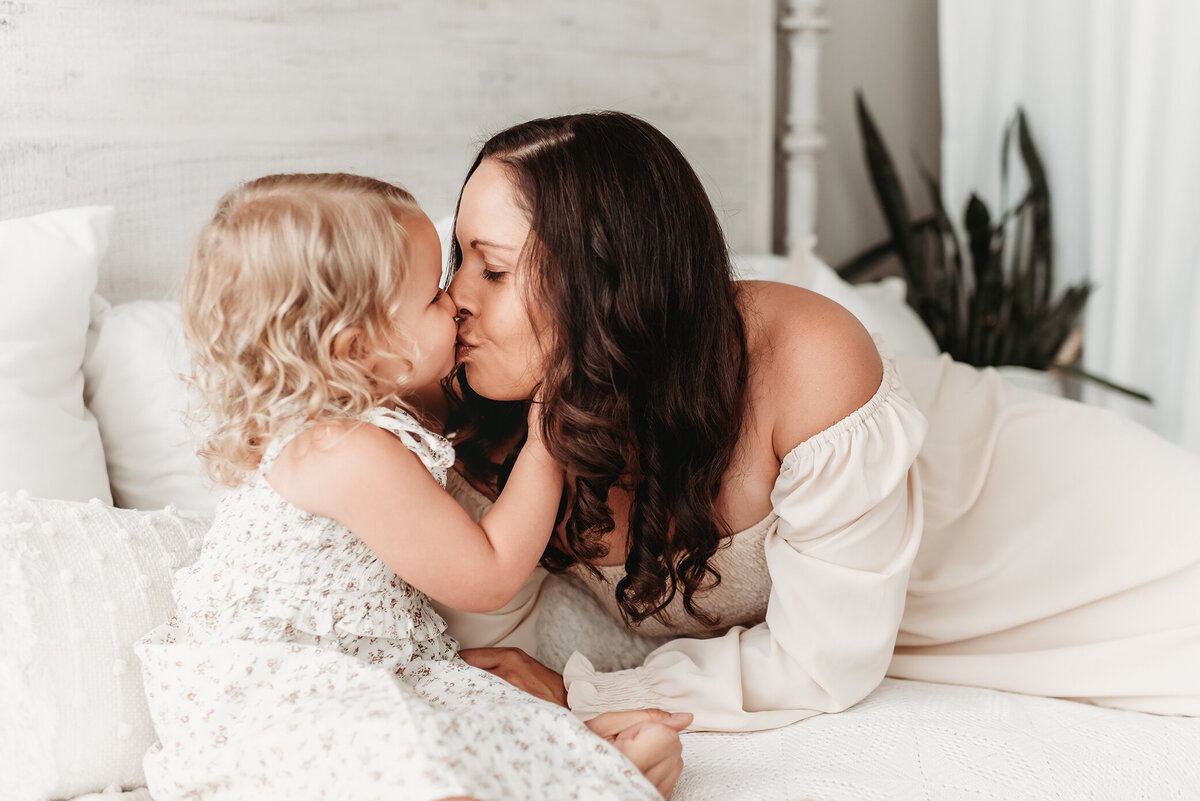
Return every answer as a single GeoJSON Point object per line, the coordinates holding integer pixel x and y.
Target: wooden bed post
{"type": "Point", "coordinates": [801, 23]}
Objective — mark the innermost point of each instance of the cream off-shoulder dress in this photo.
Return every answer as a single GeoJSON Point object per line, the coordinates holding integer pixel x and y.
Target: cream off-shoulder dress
{"type": "Point", "coordinates": [299, 666]}
{"type": "Point", "coordinates": [958, 530]}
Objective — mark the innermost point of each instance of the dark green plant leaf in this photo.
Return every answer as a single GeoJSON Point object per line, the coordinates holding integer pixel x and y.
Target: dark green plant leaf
{"type": "Point", "coordinates": [946, 269]}
{"type": "Point", "coordinates": [977, 221]}
{"type": "Point", "coordinates": [1022, 268]}
{"type": "Point", "coordinates": [1042, 262]}
{"type": "Point", "coordinates": [1047, 334]}
{"type": "Point", "coordinates": [862, 262]}
{"type": "Point", "coordinates": [890, 195]}
{"type": "Point", "coordinates": [1074, 369]}
{"type": "Point", "coordinates": [1012, 347]}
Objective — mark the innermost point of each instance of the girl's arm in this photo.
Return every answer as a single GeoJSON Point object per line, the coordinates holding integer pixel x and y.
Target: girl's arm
{"type": "Point", "coordinates": [366, 479]}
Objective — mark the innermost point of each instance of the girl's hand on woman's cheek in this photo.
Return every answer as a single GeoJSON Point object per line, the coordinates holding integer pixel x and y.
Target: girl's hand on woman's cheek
{"type": "Point", "coordinates": [520, 670]}
{"type": "Point", "coordinates": [533, 418]}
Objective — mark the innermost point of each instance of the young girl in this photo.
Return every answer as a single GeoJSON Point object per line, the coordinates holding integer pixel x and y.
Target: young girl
{"type": "Point", "coordinates": [305, 660]}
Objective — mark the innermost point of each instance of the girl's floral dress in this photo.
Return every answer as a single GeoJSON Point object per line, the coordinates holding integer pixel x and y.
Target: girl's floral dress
{"type": "Point", "coordinates": [299, 666]}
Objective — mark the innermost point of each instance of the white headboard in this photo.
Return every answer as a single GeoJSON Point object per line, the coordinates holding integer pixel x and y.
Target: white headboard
{"type": "Point", "coordinates": [159, 108]}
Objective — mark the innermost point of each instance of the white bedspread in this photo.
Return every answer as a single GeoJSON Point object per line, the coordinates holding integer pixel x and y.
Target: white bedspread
{"type": "Point", "coordinates": [934, 742]}
{"type": "Point", "coordinates": [908, 739]}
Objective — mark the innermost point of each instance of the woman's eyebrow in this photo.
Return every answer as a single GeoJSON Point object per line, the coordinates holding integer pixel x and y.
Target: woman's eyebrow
{"type": "Point", "coordinates": [477, 243]}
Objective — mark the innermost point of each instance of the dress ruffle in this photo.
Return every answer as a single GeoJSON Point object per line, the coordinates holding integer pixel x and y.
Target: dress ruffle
{"type": "Point", "coordinates": [234, 607]}
{"type": "Point", "coordinates": [434, 450]}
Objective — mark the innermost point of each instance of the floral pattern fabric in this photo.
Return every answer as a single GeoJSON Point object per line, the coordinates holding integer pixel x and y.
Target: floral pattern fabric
{"type": "Point", "coordinates": [298, 665]}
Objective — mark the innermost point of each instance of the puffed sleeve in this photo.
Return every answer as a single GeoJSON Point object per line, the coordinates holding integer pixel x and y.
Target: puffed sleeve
{"type": "Point", "coordinates": [849, 506]}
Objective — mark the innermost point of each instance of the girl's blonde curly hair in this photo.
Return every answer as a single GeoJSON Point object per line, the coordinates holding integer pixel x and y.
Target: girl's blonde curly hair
{"type": "Point", "coordinates": [286, 264]}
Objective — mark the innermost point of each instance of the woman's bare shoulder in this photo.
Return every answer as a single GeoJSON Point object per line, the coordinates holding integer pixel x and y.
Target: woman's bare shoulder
{"type": "Point", "coordinates": [812, 361]}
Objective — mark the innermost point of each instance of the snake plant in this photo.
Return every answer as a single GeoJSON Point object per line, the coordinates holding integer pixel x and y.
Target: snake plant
{"type": "Point", "coordinates": [987, 295]}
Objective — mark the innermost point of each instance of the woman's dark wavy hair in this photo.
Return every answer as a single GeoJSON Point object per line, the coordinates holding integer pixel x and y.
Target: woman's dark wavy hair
{"type": "Point", "coordinates": [647, 368]}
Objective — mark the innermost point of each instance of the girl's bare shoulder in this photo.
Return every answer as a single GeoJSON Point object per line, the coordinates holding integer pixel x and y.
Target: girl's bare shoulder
{"type": "Point", "coordinates": [321, 463]}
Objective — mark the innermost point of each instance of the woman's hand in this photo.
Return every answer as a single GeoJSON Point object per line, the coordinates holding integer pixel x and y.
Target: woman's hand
{"type": "Point", "coordinates": [649, 738]}
{"type": "Point", "coordinates": [520, 670]}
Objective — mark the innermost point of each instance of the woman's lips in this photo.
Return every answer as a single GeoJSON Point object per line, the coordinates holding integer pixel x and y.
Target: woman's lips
{"type": "Point", "coordinates": [462, 349]}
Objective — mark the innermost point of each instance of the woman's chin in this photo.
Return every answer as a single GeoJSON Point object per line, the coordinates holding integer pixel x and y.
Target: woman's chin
{"type": "Point", "coordinates": [480, 384]}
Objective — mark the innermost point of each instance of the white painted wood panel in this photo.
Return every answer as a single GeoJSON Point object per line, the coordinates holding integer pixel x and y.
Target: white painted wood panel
{"type": "Point", "coordinates": [159, 107]}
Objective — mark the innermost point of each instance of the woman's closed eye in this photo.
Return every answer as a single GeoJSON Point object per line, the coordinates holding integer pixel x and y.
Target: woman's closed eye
{"type": "Point", "coordinates": [493, 275]}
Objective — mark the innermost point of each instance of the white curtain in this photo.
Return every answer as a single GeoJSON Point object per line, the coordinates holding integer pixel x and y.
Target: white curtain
{"type": "Point", "coordinates": [1111, 91]}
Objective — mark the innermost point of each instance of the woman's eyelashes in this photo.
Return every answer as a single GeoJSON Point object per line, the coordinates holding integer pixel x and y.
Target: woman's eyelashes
{"type": "Point", "coordinates": [492, 275]}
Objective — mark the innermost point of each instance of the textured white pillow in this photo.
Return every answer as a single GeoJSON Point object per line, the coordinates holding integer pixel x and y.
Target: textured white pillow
{"type": "Point", "coordinates": [880, 305]}
{"type": "Point", "coordinates": [134, 389]}
{"type": "Point", "coordinates": [49, 443]}
{"type": "Point", "coordinates": [79, 584]}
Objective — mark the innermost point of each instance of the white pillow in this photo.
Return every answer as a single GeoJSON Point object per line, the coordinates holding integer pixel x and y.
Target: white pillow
{"type": "Point", "coordinates": [79, 584]}
{"type": "Point", "coordinates": [134, 389]}
{"type": "Point", "coordinates": [880, 306]}
{"type": "Point", "coordinates": [49, 442]}
{"type": "Point", "coordinates": [445, 231]}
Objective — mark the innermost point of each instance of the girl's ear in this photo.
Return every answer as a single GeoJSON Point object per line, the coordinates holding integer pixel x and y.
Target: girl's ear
{"type": "Point", "coordinates": [350, 344]}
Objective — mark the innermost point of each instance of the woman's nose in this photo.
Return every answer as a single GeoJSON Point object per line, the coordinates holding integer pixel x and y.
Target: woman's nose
{"type": "Point", "coordinates": [459, 294]}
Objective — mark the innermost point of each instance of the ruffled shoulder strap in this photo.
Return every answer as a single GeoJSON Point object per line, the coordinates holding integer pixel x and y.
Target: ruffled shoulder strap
{"type": "Point", "coordinates": [434, 450]}
{"type": "Point", "coordinates": [275, 447]}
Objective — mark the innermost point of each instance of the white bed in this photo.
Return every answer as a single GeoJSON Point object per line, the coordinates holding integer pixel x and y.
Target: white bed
{"type": "Point", "coordinates": [158, 108]}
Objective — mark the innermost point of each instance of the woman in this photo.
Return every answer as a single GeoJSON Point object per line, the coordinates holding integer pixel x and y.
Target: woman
{"type": "Point", "coordinates": [750, 472]}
